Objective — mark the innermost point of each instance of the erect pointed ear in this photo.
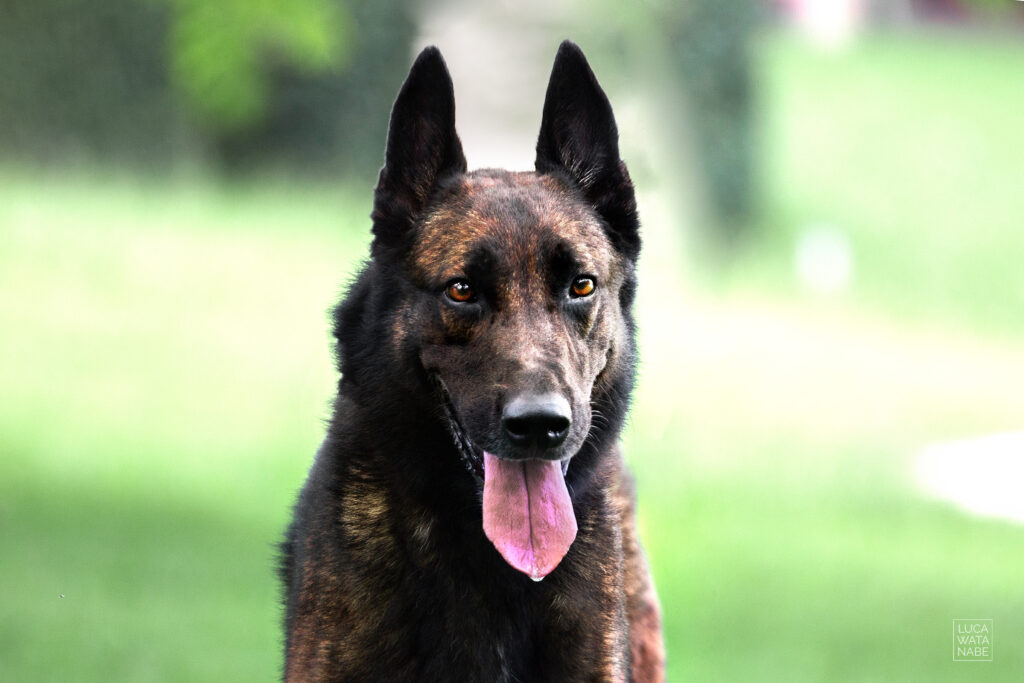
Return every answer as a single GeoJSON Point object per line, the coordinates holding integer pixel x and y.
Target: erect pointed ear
{"type": "Point", "coordinates": [578, 139]}
{"type": "Point", "coordinates": [422, 149]}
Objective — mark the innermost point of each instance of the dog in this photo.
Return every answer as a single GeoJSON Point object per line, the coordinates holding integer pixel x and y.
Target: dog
{"type": "Point", "coordinates": [468, 516]}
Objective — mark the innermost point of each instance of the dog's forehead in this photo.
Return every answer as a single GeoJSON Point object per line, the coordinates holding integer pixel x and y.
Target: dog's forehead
{"type": "Point", "coordinates": [518, 215]}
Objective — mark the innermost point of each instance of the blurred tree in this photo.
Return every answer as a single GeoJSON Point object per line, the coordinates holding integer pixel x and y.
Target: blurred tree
{"type": "Point", "coordinates": [696, 58]}
{"type": "Point", "coordinates": [297, 83]}
{"type": "Point", "coordinates": [219, 51]}
{"type": "Point", "coordinates": [334, 119]}
{"type": "Point", "coordinates": [81, 79]}
{"type": "Point", "coordinates": [709, 43]}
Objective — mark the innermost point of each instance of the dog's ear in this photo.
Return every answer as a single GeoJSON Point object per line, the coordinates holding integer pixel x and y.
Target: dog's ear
{"type": "Point", "coordinates": [578, 138]}
{"type": "Point", "coordinates": [422, 149]}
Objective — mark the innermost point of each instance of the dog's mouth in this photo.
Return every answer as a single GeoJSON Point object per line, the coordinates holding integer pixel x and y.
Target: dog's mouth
{"type": "Point", "coordinates": [471, 455]}
{"type": "Point", "coordinates": [527, 511]}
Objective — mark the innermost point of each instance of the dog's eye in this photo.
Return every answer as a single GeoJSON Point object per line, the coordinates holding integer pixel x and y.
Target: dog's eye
{"type": "Point", "coordinates": [583, 286]}
{"type": "Point", "coordinates": [459, 291]}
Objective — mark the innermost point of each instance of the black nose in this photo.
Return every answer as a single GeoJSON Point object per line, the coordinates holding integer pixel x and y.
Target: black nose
{"type": "Point", "coordinates": [537, 420]}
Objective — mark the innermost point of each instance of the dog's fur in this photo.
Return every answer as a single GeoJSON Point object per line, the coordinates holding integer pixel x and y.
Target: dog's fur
{"type": "Point", "coordinates": [388, 573]}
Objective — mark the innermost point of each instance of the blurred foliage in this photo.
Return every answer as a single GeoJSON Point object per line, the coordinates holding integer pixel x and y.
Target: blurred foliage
{"type": "Point", "coordinates": [709, 44]}
{"type": "Point", "coordinates": [274, 82]}
{"type": "Point", "coordinates": [998, 6]}
{"type": "Point", "coordinates": [336, 118]}
{"type": "Point", "coordinates": [219, 50]}
{"type": "Point", "coordinates": [697, 57]}
{"type": "Point", "coordinates": [80, 78]}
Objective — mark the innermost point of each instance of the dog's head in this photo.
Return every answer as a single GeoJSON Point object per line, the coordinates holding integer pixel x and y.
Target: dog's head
{"type": "Point", "coordinates": [521, 286]}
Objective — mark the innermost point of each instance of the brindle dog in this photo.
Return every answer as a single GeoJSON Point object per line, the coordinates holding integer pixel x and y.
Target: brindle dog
{"type": "Point", "coordinates": [468, 516]}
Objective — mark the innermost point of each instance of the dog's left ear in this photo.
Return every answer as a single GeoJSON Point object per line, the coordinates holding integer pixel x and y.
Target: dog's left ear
{"type": "Point", "coordinates": [578, 138]}
{"type": "Point", "coordinates": [422, 149]}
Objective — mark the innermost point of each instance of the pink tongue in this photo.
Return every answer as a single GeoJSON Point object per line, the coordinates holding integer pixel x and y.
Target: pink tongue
{"type": "Point", "coordinates": [527, 513]}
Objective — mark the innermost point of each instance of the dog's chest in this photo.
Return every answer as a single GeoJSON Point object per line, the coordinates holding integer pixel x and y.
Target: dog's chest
{"type": "Point", "coordinates": [471, 617]}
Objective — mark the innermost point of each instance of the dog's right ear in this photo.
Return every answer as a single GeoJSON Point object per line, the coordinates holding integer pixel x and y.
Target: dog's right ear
{"type": "Point", "coordinates": [422, 149]}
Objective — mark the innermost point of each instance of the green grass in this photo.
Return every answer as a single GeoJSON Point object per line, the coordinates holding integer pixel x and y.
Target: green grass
{"type": "Point", "coordinates": [912, 146]}
{"type": "Point", "coordinates": [165, 372]}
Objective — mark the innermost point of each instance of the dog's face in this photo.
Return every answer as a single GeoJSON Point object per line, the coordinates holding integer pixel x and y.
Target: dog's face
{"type": "Point", "coordinates": [520, 287]}
{"type": "Point", "coordinates": [525, 315]}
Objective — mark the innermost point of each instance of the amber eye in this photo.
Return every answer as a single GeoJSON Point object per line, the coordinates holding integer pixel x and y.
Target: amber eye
{"type": "Point", "coordinates": [459, 291]}
{"type": "Point", "coordinates": [583, 286]}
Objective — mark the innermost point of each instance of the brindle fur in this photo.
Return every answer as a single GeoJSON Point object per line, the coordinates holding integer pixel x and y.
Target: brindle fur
{"type": "Point", "coordinates": [387, 572]}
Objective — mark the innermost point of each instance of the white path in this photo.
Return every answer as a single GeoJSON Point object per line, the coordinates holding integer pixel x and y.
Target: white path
{"type": "Point", "coordinates": [984, 475]}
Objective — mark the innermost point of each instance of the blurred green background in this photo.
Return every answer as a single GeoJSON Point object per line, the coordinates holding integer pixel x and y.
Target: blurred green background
{"type": "Point", "coordinates": [832, 198]}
